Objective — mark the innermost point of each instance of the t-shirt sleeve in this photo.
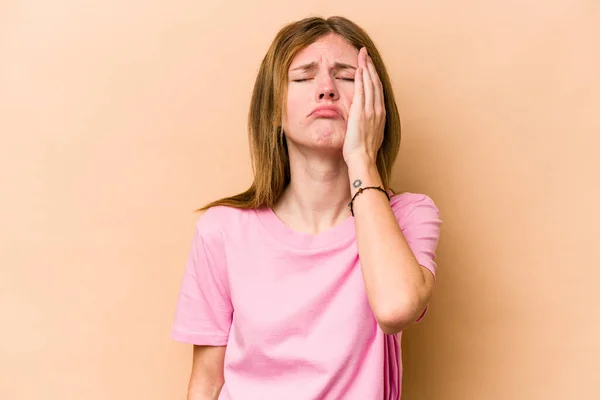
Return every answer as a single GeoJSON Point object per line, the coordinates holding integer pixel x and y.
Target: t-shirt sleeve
{"type": "Point", "coordinates": [420, 223]}
{"type": "Point", "coordinates": [204, 310]}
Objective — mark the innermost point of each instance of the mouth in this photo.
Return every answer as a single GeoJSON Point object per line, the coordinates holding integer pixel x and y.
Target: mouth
{"type": "Point", "coordinates": [326, 112]}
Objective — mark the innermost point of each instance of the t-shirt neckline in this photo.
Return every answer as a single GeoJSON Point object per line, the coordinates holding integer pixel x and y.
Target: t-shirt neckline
{"type": "Point", "coordinates": [342, 231]}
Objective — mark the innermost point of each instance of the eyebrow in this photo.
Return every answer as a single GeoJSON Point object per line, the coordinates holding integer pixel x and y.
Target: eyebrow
{"type": "Point", "coordinates": [312, 65]}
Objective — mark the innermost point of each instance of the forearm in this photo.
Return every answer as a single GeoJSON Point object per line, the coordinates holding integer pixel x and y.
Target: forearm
{"type": "Point", "coordinates": [394, 280]}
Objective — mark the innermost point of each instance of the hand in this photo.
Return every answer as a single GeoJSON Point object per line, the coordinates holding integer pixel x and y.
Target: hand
{"type": "Point", "coordinates": [366, 118]}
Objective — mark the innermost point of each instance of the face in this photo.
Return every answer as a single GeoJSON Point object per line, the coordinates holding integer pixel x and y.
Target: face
{"type": "Point", "coordinates": [321, 75]}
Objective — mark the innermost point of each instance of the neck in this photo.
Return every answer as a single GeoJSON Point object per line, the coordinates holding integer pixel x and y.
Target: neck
{"type": "Point", "coordinates": [318, 194]}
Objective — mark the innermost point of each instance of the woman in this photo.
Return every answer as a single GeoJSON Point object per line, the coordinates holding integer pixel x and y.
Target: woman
{"type": "Point", "coordinates": [300, 287]}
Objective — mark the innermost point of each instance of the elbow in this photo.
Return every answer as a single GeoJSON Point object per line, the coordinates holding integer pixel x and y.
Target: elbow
{"type": "Point", "coordinates": [395, 318]}
{"type": "Point", "coordinates": [393, 323]}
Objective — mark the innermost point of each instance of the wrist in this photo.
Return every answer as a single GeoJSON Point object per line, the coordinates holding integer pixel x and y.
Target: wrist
{"type": "Point", "coordinates": [360, 160]}
{"type": "Point", "coordinates": [362, 174]}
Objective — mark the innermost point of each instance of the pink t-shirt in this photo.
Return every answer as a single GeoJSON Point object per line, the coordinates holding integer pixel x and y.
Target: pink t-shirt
{"type": "Point", "coordinates": [292, 307]}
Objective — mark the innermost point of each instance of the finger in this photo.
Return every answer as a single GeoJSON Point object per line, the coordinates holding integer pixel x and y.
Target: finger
{"type": "Point", "coordinates": [368, 85]}
{"type": "Point", "coordinates": [359, 93]}
{"type": "Point", "coordinates": [378, 102]}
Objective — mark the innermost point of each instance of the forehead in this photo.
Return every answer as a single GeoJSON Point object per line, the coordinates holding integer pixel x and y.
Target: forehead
{"type": "Point", "coordinates": [332, 47]}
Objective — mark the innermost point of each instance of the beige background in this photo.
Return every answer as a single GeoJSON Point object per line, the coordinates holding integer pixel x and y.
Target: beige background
{"type": "Point", "coordinates": [118, 118]}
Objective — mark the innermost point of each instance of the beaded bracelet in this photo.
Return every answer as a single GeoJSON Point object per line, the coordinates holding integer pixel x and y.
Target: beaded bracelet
{"type": "Point", "coordinates": [361, 190]}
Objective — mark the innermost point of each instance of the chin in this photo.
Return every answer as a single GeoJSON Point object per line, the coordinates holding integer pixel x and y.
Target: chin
{"type": "Point", "coordinates": [329, 137]}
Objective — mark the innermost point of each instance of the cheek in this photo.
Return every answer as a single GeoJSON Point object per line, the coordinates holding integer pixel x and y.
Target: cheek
{"type": "Point", "coordinates": [296, 105]}
{"type": "Point", "coordinates": [347, 92]}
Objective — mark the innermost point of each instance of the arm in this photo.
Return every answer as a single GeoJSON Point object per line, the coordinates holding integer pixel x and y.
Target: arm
{"type": "Point", "coordinates": [398, 288]}
{"type": "Point", "coordinates": [206, 378]}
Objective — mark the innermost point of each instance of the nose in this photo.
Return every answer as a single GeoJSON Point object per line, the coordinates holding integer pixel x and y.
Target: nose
{"type": "Point", "coordinates": [326, 89]}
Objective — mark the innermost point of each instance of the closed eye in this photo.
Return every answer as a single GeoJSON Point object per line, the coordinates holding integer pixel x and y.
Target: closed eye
{"type": "Point", "coordinates": [307, 79]}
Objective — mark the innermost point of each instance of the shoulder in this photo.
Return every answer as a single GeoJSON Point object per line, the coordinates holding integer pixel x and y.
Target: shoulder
{"type": "Point", "coordinates": [414, 207]}
{"type": "Point", "coordinates": [218, 220]}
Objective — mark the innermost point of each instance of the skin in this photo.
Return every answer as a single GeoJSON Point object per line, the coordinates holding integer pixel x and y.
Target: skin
{"type": "Point", "coordinates": [330, 154]}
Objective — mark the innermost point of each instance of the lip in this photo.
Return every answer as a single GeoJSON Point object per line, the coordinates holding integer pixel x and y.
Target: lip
{"type": "Point", "coordinates": [326, 112]}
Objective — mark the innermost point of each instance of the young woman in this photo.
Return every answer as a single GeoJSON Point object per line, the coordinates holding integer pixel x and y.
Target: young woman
{"type": "Point", "coordinates": [299, 288]}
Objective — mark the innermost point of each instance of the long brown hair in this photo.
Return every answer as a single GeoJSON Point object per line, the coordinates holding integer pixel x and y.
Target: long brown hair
{"type": "Point", "coordinates": [268, 149]}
